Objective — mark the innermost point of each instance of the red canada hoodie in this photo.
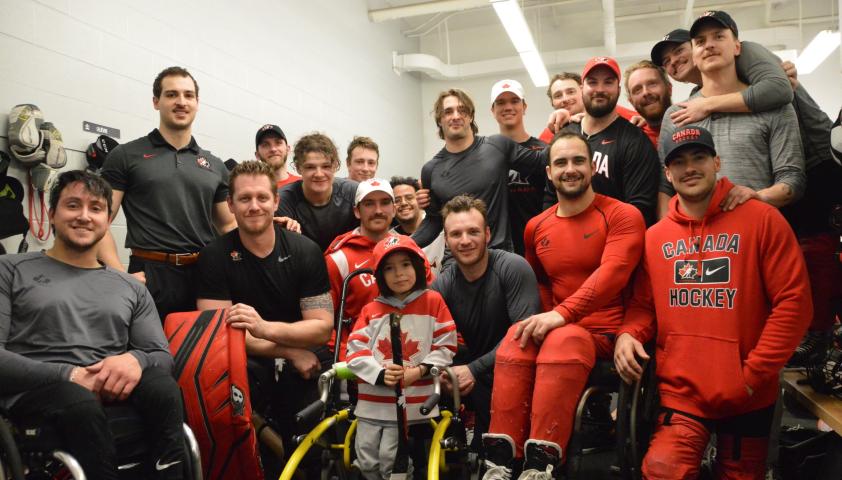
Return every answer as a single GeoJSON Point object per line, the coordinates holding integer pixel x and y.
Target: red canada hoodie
{"type": "Point", "coordinates": [732, 301]}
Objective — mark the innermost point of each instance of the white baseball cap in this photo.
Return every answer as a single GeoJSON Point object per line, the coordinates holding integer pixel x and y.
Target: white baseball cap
{"type": "Point", "coordinates": [373, 185]}
{"type": "Point", "coordinates": [506, 86]}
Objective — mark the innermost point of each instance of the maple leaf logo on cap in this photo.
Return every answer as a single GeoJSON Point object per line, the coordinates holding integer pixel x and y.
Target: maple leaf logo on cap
{"type": "Point", "coordinates": [375, 183]}
{"type": "Point", "coordinates": [506, 85]}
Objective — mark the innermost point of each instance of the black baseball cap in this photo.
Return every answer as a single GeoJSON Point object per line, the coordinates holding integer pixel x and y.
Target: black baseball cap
{"type": "Point", "coordinates": [675, 37]}
{"type": "Point", "coordinates": [266, 129]}
{"type": "Point", "coordinates": [685, 137]}
{"type": "Point", "coordinates": [719, 17]}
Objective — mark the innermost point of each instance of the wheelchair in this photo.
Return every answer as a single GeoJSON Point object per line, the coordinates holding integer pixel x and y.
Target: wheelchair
{"type": "Point", "coordinates": [334, 434]}
{"type": "Point", "coordinates": [32, 450]}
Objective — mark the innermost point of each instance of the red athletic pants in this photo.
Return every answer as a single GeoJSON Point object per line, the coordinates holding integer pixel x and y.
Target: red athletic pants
{"type": "Point", "coordinates": [676, 449]}
{"type": "Point", "coordinates": [536, 388]}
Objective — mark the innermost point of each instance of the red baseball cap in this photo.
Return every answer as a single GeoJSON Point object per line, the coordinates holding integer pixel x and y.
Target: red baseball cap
{"type": "Point", "coordinates": [602, 61]}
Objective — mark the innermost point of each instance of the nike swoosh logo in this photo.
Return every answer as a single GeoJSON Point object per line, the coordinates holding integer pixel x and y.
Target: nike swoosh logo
{"type": "Point", "coordinates": [711, 272]}
{"type": "Point", "coordinates": [159, 466]}
{"type": "Point", "coordinates": [607, 141]}
{"type": "Point", "coordinates": [148, 155]}
{"type": "Point", "coordinates": [589, 235]}
{"type": "Point", "coordinates": [358, 265]}
{"type": "Point", "coordinates": [283, 259]}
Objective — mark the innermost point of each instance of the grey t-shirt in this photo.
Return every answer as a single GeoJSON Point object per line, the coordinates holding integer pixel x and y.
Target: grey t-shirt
{"type": "Point", "coordinates": [54, 316]}
{"type": "Point", "coordinates": [169, 194]}
{"type": "Point", "coordinates": [481, 170]}
{"type": "Point", "coordinates": [757, 150]}
{"type": "Point", "coordinates": [485, 308]}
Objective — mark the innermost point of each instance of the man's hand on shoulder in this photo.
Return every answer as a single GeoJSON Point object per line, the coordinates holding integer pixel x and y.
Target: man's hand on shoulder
{"type": "Point", "coordinates": [114, 377]}
{"type": "Point", "coordinates": [737, 196]}
{"type": "Point", "coordinates": [288, 223]}
{"type": "Point", "coordinates": [537, 327]}
{"type": "Point", "coordinates": [692, 111]}
{"type": "Point", "coordinates": [245, 317]}
{"type": "Point", "coordinates": [558, 119]}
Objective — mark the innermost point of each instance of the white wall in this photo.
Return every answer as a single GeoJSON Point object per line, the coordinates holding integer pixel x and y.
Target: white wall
{"type": "Point", "coordinates": [315, 65]}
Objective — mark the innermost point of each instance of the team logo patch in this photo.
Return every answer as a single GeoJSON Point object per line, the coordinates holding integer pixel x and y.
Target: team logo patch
{"type": "Point", "coordinates": [238, 400]}
{"type": "Point", "coordinates": [203, 162]}
{"type": "Point", "coordinates": [268, 126]}
{"type": "Point", "coordinates": [235, 256]}
{"type": "Point", "coordinates": [545, 242]}
{"type": "Point", "coordinates": [375, 183]}
{"type": "Point", "coordinates": [601, 59]}
{"type": "Point", "coordinates": [712, 270]}
{"type": "Point", "coordinates": [391, 242]}
{"type": "Point", "coordinates": [506, 85]}
{"type": "Point", "coordinates": [709, 13]}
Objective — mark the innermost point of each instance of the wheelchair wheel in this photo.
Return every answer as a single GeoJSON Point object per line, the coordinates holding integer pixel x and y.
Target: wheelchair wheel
{"type": "Point", "coordinates": [637, 412]}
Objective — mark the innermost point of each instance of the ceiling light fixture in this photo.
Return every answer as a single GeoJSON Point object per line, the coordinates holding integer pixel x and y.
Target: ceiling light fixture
{"type": "Point", "coordinates": [511, 16]}
{"type": "Point", "coordinates": [824, 43]}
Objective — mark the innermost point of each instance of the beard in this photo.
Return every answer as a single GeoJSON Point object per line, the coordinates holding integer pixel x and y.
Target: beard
{"type": "Point", "coordinates": [74, 245]}
{"type": "Point", "coordinates": [574, 193]}
{"type": "Point", "coordinates": [653, 112]}
{"type": "Point", "coordinates": [599, 111]}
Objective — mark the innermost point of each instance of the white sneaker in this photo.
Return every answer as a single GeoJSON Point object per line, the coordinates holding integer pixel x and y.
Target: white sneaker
{"type": "Point", "coordinates": [533, 474]}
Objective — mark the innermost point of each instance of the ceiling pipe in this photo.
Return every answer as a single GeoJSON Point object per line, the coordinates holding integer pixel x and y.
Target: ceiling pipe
{"type": "Point", "coordinates": [774, 38]}
{"type": "Point", "coordinates": [428, 8]}
{"type": "Point", "coordinates": [609, 27]}
{"type": "Point", "coordinates": [688, 14]}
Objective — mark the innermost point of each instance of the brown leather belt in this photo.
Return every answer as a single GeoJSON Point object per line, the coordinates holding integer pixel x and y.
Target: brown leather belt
{"type": "Point", "coordinates": [177, 259]}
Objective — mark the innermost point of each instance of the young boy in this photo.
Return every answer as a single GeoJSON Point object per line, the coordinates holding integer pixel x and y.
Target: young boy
{"type": "Point", "coordinates": [428, 337]}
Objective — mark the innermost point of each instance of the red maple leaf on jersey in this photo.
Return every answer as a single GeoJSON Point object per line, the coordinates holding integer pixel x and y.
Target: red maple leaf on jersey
{"type": "Point", "coordinates": [687, 270]}
{"type": "Point", "coordinates": [408, 348]}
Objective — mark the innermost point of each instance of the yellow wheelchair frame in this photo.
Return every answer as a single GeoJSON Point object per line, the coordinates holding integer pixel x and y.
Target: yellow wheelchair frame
{"type": "Point", "coordinates": [441, 443]}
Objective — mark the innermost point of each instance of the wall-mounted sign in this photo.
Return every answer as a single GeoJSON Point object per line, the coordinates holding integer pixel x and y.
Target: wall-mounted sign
{"type": "Point", "coordinates": [101, 129]}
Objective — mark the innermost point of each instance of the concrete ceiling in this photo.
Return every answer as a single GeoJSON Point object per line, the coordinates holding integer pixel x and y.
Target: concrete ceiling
{"type": "Point", "coordinates": [464, 38]}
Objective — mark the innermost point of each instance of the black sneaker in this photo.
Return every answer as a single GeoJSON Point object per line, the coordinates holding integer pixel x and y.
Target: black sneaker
{"type": "Point", "coordinates": [499, 456]}
{"type": "Point", "coordinates": [812, 350]}
{"type": "Point", "coordinates": [541, 457]}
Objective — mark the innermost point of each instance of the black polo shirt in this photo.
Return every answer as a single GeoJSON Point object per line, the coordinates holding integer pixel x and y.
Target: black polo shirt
{"type": "Point", "coordinates": [169, 194]}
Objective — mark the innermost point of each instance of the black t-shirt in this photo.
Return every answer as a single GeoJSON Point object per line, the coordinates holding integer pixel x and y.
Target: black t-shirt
{"type": "Point", "coordinates": [626, 167]}
{"type": "Point", "coordinates": [526, 194]}
{"type": "Point", "coordinates": [321, 224]}
{"type": "Point", "coordinates": [169, 194]}
{"type": "Point", "coordinates": [273, 285]}
{"type": "Point", "coordinates": [485, 308]}
{"type": "Point", "coordinates": [481, 170]}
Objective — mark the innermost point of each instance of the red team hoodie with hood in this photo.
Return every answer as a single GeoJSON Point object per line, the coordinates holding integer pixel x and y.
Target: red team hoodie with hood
{"type": "Point", "coordinates": [347, 253]}
{"type": "Point", "coordinates": [732, 301]}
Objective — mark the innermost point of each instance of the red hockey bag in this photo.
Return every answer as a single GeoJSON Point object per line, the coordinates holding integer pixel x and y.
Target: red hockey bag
{"type": "Point", "coordinates": [210, 366]}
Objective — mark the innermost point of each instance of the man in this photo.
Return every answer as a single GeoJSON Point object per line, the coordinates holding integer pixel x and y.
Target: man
{"type": "Point", "coordinates": [474, 165]}
{"type": "Point", "coordinates": [275, 284]}
{"type": "Point", "coordinates": [488, 292]}
{"type": "Point", "coordinates": [734, 291]}
{"type": "Point", "coordinates": [409, 216]}
{"type": "Point", "coordinates": [525, 192]}
{"type": "Point", "coordinates": [762, 151]}
{"type": "Point", "coordinates": [565, 91]}
{"type": "Point", "coordinates": [583, 252]}
{"type": "Point", "coordinates": [75, 335]}
{"type": "Point", "coordinates": [375, 210]}
{"type": "Point", "coordinates": [626, 164]}
{"type": "Point", "coordinates": [322, 204]}
{"type": "Point", "coordinates": [650, 92]}
{"type": "Point", "coordinates": [174, 193]}
{"type": "Point", "coordinates": [272, 148]}
{"type": "Point", "coordinates": [769, 89]}
{"type": "Point", "coordinates": [363, 159]}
